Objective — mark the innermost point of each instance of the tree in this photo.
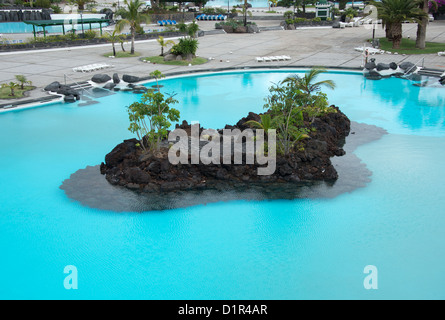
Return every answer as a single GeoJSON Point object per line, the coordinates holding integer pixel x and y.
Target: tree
{"type": "Point", "coordinates": [164, 43]}
{"type": "Point", "coordinates": [188, 45]}
{"type": "Point", "coordinates": [273, 3]}
{"type": "Point", "coordinates": [150, 118]}
{"type": "Point", "coordinates": [421, 27]}
{"type": "Point", "coordinates": [132, 17]}
{"type": "Point", "coordinates": [307, 84]}
{"type": "Point", "coordinates": [80, 3]}
{"type": "Point", "coordinates": [190, 29]}
{"type": "Point", "coordinates": [287, 116]}
{"type": "Point", "coordinates": [115, 37]}
{"type": "Point", "coordinates": [22, 80]}
{"type": "Point", "coordinates": [11, 85]}
{"type": "Point", "coordinates": [290, 101]}
{"type": "Point", "coordinates": [393, 13]}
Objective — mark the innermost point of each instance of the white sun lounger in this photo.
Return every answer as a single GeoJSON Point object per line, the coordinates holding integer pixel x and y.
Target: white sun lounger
{"type": "Point", "coordinates": [441, 53]}
{"type": "Point", "coordinates": [259, 59]}
{"type": "Point", "coordinates": [92, 67]}
{"type": "Point", "coordinates": [370, 50]}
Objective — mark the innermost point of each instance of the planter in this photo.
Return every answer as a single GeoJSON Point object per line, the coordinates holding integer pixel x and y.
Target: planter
{"type": "Point", "coordinates": [76, 43]}
{"type": "Point", "coordinates": [307, 24]}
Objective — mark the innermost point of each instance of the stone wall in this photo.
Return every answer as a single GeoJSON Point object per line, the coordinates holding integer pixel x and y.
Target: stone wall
{"type": "Point", "coordinates": [16, 15]}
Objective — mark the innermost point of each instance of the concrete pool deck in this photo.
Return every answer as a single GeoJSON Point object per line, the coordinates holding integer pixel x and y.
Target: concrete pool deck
{"type": "Point", "coordinates": [307, 47]}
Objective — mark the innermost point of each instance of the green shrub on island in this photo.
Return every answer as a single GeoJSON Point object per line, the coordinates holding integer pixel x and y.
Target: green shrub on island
{"type": "Point", "coordinates": [293, 104]}
{"type": "Point", "coordinates": [150, 118]}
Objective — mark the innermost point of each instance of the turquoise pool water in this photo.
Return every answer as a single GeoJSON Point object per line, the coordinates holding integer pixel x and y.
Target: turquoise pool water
{"type": "Point", "coordinates": [254, 3]}
{"type": "Point", "coordinates": [224, 4]}
{"type": "Point", "coordinates": [21, 27]}
{"type": "Point", "coordinates": [307, 248]}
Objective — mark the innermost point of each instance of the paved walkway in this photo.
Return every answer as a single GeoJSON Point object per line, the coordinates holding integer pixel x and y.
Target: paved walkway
{"type": "Point", "coordinates": [308, 47]}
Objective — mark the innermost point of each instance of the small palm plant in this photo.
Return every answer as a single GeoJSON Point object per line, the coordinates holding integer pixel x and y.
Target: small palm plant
{"type": "Point", "coordinates": [307, 83]}
{"type": "Point", "coordinates": [265, 123]}
{"type": "Point", "coordinates": [11, 85]}
{"type": "Point", "coordinates": [164, 43]}
{"type": "Point", "coordinates": [190, 29]}
{"type": "Point", "coordinates": [22, 80]}
{"type": "Point", "coordinates": [115, 37]}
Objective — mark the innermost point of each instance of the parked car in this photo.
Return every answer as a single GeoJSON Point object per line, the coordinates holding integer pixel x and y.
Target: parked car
{"type": "Point", "coordinates": [430, 18]}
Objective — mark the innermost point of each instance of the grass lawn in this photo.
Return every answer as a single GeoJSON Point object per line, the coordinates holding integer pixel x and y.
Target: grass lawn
{"type": "Point", "coordinates": [408, 46]}
{"type": "Point", "coordinates": [121, 54]}
{"type": "Point", "coordinates": [18, 93]}
{"type": "Point", "coordinates": [160, 60]}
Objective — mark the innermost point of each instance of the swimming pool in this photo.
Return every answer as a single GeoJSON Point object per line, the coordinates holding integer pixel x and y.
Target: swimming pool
{"type": "Point", "coordinates": [231, 3]}
{"type": "Point", "coordinates": [305, 248]}
{"type": "Point", "coordinates": [21, 27]}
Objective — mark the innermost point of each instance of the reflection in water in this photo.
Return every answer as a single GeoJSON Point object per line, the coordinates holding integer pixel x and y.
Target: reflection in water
{"type": "Point", "coordinates": [418, 107]}
{"type": "Point", "coordinates": [247, 80]}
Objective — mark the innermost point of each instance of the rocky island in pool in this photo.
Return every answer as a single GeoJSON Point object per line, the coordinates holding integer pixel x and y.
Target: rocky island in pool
{"type": "Point", "coordinates": [299, 147]}
{"type": "Point", "coordinates": [130, 167]}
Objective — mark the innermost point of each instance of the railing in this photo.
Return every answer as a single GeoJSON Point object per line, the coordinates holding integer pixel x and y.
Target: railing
{"type": "Point", "coordinates": [415, 65]}
{"type": "Point", "coordinates": [75, 82]}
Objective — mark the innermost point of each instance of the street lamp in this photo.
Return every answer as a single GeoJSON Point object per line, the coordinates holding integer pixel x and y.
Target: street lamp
{"type": "Point", "coordinates": [228, 6]}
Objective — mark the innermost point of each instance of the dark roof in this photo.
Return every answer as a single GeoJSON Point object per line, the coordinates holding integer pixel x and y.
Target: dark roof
{"type": "Point", "coordinates": [45, 23]}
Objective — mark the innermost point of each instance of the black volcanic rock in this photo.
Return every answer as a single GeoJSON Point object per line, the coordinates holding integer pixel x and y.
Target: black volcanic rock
{"type": "Point", "coordinates": [130, 79]}
{"type": "Point", "coordinates": [54, 86]}
{"type": "Point", "coordinates": [371, 65]}
{"type": "Point", "coordinates": [116, 79]}
{"type": "Point", "coordinates": [382, 66]}
{"type": "Point", "coordinates": [101, 78]}
{"type": "Point", "coordinates": [393, 66]}
{"type": "Point", "coordinates": [128, 166]}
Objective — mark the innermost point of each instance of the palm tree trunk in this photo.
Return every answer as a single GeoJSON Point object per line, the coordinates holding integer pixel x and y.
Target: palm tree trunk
{"type": "Point", "coordinates": [133, 35]}
{"type": "Point", "coordinates": [114, 50]}
{"type": "Point", "coordinates": [245, 13]}
{"type": "Point", "coordinates": [421, 27]}
{"type": "Point", "coordinates": [396, 30]}
{"type": "Point", "coordinates": [388, 32]}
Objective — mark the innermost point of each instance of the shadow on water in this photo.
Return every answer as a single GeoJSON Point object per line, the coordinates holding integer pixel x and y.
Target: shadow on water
{"type": "Point", "coordinates": [91, 189]}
